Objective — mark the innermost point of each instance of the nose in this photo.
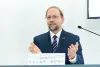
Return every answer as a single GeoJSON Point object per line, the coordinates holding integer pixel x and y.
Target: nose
{"type": "Point", "coordinates": [51, 20]}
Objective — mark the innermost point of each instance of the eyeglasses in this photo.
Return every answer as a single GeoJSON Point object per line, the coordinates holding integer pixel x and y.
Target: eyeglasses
{"type": "Point", "coordinates": [54, 17]}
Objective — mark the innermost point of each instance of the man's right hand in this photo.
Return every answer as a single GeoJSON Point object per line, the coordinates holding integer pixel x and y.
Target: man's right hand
{"type": "Point", "coordinates": [34, 49]}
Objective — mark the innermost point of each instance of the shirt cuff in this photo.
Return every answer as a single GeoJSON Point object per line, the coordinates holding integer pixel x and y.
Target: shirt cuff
{"type": "Point", "coordinates": [73, 60]}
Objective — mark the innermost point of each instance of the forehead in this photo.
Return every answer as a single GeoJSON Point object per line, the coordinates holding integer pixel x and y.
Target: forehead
{"type": "Point", "coordinates": [53, 11]}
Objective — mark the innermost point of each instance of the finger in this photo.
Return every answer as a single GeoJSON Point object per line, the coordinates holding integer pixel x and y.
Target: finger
{"type": "Point", "coordinates": [32, 47]}
{"type": "Point", "coordinates": [31, 50]}
{"type": "Point", "coordinates": [70, 47]}
{"type": "Point", "coordinates": [76, 45]}
{"type": "Point", "coordinates": [29, 47]}
{"type": "Point", "coordinates": [35, 47]}
{"type": "Point", "coordinates": [68, 50]}
{"type": "Point", "coordinates": [73, 47]}
{"type": "Point", "coordinates": [71, 50]}
{"type": "Point", "coordinates": [32, 44]}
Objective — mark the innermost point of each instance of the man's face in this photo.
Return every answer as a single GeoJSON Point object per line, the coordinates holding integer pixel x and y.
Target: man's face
{"type": "Point", "coordinates": [54, 19]}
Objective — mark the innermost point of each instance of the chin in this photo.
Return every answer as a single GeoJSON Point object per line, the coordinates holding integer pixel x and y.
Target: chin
{"type": "Point", "coordinates": [53, 29]}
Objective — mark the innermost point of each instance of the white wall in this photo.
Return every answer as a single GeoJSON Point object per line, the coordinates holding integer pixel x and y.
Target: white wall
{"type": "Point", "coordinates": [21, 20]}
{"type": "Point", "coordinates": [77, 15]}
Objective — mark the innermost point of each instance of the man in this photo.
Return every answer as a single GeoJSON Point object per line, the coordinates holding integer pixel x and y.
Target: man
{"type": "Point", "coordinates": [56, 40]}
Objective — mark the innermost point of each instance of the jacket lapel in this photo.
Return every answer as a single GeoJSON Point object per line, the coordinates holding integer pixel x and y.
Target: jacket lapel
{"type": "Point", "coordinates": [62, 45]}
{"type": "Point", "coordinates": [49, 43]}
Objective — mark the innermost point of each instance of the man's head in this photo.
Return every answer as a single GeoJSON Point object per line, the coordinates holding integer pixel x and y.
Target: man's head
{"type": "Point", "coordinates": [54, 18]}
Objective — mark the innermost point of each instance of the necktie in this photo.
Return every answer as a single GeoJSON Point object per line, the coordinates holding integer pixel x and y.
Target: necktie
{"type": "Point", "coordinates": [54, 44]}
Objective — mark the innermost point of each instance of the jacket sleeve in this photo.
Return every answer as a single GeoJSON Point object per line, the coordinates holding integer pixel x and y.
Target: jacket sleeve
{"type": "Point", "coordinates": [36, 41]}
{"type": "Point", "coordinates": [79, 59]}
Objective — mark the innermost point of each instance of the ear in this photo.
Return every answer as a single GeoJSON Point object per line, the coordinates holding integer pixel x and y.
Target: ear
{"type": "Point", "coordinates": [62, 20]}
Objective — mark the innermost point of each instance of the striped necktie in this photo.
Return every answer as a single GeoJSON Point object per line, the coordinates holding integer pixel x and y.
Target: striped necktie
{"type": "Point", "coordinates": [54, 44]}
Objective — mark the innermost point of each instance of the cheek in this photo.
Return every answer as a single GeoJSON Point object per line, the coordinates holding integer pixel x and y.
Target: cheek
{"type": "Point", "coordinates": [60, 22]}
{"type": "Point", "coordinates": [47, 22]}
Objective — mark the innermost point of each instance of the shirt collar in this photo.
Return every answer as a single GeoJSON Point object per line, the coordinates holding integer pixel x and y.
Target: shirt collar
{"type": "Point", "coordinates": [58, 34]}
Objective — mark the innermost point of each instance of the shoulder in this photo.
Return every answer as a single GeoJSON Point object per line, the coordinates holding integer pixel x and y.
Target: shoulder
{"type": "Point", "coordinates": [71, 35]}
{"type": "Point", "coordinates": [42, 36]}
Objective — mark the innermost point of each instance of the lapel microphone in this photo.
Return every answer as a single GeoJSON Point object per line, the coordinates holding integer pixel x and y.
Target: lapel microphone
{"type": "Point", "coordinates": [63, 37]}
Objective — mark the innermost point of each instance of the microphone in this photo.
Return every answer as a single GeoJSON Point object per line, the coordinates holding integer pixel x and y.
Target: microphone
{"type": "Point", "coordinates": [88, 30]}
{"type": "Point", "coordinates": [79, 27]}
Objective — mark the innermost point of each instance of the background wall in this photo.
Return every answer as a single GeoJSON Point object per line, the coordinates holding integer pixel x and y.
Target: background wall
{"type": "Point", "coordinates": [21, 20]}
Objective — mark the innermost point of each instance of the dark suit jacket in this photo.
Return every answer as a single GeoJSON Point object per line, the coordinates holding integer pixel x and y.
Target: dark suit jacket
{"type": "Point", "coordinates": [43, 41]}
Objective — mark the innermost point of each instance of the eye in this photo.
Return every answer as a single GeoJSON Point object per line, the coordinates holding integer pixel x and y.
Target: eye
{"type": "Point", "coordinates": [48, 17]}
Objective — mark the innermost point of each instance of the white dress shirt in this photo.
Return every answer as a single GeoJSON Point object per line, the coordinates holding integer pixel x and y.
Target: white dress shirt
{"type": "Point", "coordinates": [58, 37]}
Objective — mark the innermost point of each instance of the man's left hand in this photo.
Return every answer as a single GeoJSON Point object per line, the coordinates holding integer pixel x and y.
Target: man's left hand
{"type": "Point", "coordinates": [72, 51]}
